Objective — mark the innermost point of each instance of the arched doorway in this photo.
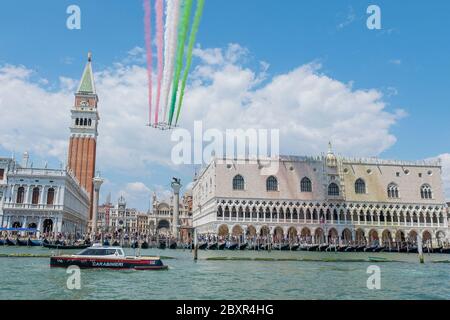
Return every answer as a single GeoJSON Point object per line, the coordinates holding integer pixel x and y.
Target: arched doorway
{"type": "Point", "coordinates": [292, 234]}
{"type": "Point", "coordinates": [278, 234]}
{"type": "Point", "coordinates": [319, 236]}
{"type": "Point", "coordinates": [427, 239]}
{"type": "Point", "coordinates": [305, 235]}
{"type": "Point", "coordinates": [251, 231]}
{"type": "Point", "coordinates": [386, 238]}
{"type": "Point", "coordinates": [223, 231]}
{"type": "Point", "coordinates": [237, 231]}
{"type": "Point", "coordinates": [400, 236]}
{"type": "Point", "coordinates": [47, 226]}
{"type": "Point", "coordinates": [373, 237]}
{"type": "Point", "coordinates": [412, 237]}
{"type": "Point", "coordinates": [17, 224]}
{"type": "Point", "coordinates": [360, 237]}
{"type": "Point", "coordinates": [346, 236]}
{"type": "Point", "coordinates": [333, 236]}
{"type": "Point", "coordinates": [163, 227]}
{"type": "Point", "coordinates": [265, 231]}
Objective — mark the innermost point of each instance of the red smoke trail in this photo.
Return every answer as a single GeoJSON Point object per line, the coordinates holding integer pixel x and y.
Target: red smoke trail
{"type": "Point", "coordinates": [159, 7]}
{"type": "Point", "coordinates": [148, 46]}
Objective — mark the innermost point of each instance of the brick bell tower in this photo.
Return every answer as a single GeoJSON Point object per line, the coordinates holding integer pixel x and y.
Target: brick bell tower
{"type": "Point", "coordinates": [83, 132]}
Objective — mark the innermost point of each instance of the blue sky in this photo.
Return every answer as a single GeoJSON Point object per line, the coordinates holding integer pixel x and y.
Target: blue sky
{"type": "Point", "coordinates": [408, 60]}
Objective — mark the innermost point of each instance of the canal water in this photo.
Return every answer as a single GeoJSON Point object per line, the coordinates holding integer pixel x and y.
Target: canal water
{"type": "Point", "coordinates": [232, 275]}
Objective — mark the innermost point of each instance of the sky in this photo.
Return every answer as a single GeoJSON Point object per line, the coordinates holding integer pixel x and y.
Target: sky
{"type": "Point", "coordinates": [309, 68]}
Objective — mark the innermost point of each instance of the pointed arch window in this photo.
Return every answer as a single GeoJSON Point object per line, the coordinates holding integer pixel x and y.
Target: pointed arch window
{"type": "Point", "coordinates": [392, 191]}
{"type": "Point", "coordinates": [272, 184]}
{"type": "Point", "coordinates": [333, 190]}
{"type": "Point", "coordinates": [305, 185]}
{"type": "Point", "coordinates": [426, 192]}
{"type": "Point", "coordinates": [238, 182]}
{"type": "Point", "coordinates": [360, 186]}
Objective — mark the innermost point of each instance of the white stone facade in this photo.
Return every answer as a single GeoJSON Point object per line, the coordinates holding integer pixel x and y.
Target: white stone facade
{"type": "Point", "coordinates": [47, 199]}
{"type": "Point", "coordinates": [345, 199]}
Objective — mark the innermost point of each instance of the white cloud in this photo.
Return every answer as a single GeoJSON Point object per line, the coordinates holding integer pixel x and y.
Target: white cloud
{"type": "Point", "coordinates": [308, 107]}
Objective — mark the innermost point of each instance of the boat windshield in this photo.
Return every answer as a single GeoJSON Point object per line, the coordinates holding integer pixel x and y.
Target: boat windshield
{"type": "Point", "coordinates": [97, 252]}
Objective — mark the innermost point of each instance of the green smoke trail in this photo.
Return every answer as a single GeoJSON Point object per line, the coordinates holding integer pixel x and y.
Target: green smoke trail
{"type": "Point", "coordinates": [184, 26]}
{"type": "Point", "coordinates": [192, 37]}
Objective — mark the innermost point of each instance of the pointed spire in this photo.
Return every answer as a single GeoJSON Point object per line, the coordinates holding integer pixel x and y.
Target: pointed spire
{"type": "Point", "coordinates": [87, 85]}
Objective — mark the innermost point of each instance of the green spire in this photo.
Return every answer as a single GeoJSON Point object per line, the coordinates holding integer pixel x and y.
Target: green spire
{"type": "Point", "coordinates": [87, 85]}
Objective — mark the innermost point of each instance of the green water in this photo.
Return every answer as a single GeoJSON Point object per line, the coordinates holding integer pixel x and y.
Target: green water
{"type": "Point", "coordinates": [232, 275]}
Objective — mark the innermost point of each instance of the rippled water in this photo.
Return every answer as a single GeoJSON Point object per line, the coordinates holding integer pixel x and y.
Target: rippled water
{"type": "Point", "coordinates": [32, 278]}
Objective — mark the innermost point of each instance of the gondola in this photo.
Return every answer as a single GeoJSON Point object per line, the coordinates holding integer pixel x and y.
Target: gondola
{"type": "Point", "coordinates": [351, 248]}
{"type": "Point", "coordinates": [144, 245]}
{"type": "Point", "coordinates": [323, 247]}
{"type": "Point", "coordinates": [10, 242]}
{"type": "Point", "coordinates": [22, 243]}
{"type": "Point", "coordinates": [135, 245]}
{"type": "Point", "coordinates": [445, 250]}
{"type": "Point", "coordinates": [162, 245]}
{"type": "Point", "coordinates": [232, 246]}
{"type": "Point", "coordinates": [65, 247]}
{"type": "Point", "coordinates": [413, 249]}
{"type": "Point", "coordinates": [243, 246]}
{"type": "Point", "coordinates": [2, 242]}
{"type": "Point", "coordinates": [285, 247]}
{"type": "Point", "coordinates": [295, 247]}
{"type": "Point", "coordinates": [106, 243]}
{"type": "Point", "coordinates": [360, 248]}
{"type": "Point", "coordinates": [116, 244]}
{"type": "Point", "coordinates": [34, 243]}
{"type": "Point", "coordinates": [203, 246]}
{"type": "Point", "coordinates": [369, 249]}
{"type": "Point", "coordinates": [173, 245]}
{"type": "Point", "coordinates": [342, 248]}
{"type": "Point", "coordinates": [263, 247]}
{"type": "Point", "coordinates": [332, 248]}
{"type": "Point", "coordinates": [313, 247]}
{"type": "Point", "coordinates": [213, 246]}
{"type": "Point", "coordinates": [222, 246]}
{"type": "Point", "coordinates": [378, 249]}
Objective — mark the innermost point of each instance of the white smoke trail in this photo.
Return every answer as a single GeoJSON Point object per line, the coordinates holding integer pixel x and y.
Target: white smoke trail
{"type": "Point", "coordinates": [170, 48]}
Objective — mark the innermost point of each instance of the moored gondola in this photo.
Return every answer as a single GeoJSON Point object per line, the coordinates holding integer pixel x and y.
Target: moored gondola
{"type": "Point", "coordinates": [323, 247]}
{"type": "Point", "coordinates": [369, 249]}
{"type": "Point", "coordinates": [135, 245]}
{"type": "Point", "coordinates": [342, 248]}
{"type": "Point", "coordinates": [351, 248]}
{"type": "Point", "coordinates": [294, 247]}
{"type": "Point", "coordinates": [285, 247]}
{"type": "Point", "coordinates": [378, 249]}
{"type": "Point", "coordinates": [116, 244]}
{"type": "Point", "coordinates": [22, 243]}
{"type": "Point", "coordinates": [34, 243]}
{"type": "Point", "coordinates": [2, 242]}
{"type": "Point", "coordinates": [162, 245]}
{"type": "Point", "coordinates": [243, 246]}
{"type": "Point", "coordinates": [203, 246]}
{"type": "Point", "coordinates": [222, 246]}
{"type": "Point", "coordinates": [65, 247]}
{"type": "Point", "coordinates": [413, 249]}
{"type": "Point", "coordinates": [9, 242]}
{"type": "Point", "coordinates": [106, 243]}
{"type": "Point", "coordinates": [445, 250]}
{"type": "Point", "coordinates": [232, 246]}
{"type": "Point", "coordinates": [360, 248]}
{"type": "Point", "coordinates": [173, 245]}
{"type": "Point", "coordinates": [213, 246]}
{"type": "Point", "coordinates": [144, 245]}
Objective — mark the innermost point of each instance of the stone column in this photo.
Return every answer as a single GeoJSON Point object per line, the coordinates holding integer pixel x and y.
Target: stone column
{"type": "Point", "coordinates": [176, 186]}
{"type": "Point", "coordinates": [97, 184]}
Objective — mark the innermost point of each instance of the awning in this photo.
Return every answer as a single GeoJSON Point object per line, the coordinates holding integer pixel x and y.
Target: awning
{"type": "Point", "coordinates": [19, 229]}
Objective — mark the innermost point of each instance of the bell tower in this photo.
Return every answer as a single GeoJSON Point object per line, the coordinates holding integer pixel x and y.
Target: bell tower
{"type": "Point", "coordinates": [83, 132]}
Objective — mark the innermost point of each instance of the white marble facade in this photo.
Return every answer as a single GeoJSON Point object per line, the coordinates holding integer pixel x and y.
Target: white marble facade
{"type": "Point", "coordinates": [322, 196]}
{"type": "Point", "coordinates": [50, 200]}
